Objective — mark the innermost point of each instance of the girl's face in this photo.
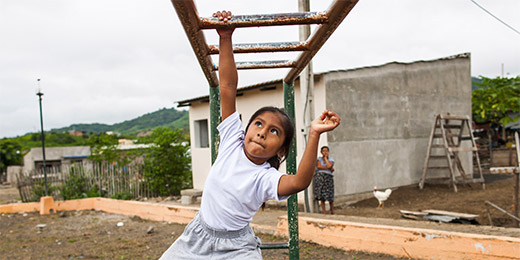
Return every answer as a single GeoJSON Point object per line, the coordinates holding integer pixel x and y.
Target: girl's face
{"type": "Point", "coordinates": [325, 152]}
{"type": "Point", "coordinates": [264, 138]}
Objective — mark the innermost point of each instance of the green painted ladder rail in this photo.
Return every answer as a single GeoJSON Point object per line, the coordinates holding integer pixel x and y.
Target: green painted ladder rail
{"type": "Point", "coordinates": [328, 21]}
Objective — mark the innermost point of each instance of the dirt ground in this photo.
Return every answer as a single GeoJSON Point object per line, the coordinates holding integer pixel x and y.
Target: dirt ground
{"type": "Point", "coordinates": [469, 199]}
{"type": "Point", "coordinates": [96, 235]}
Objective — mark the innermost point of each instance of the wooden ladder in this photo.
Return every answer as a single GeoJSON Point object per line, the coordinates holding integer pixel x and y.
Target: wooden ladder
{"type": "Point", "coordinates": [446, 138]}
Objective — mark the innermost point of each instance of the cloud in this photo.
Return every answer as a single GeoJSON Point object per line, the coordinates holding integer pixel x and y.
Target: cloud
{"type": "Point", "coordinates": [110, 61]}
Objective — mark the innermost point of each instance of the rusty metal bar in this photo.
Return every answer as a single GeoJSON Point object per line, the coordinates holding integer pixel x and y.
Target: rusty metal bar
{"type": "Point", "coordinates": [265, 20]}
{"type": "Point", "coordinates": [190, 20]}
{"type": "Point", "coordinates": [247, 65]}
{"type": "Point", "coordinates": [263, 47]}
{"type": "Point", "coordinates": [336, 13]}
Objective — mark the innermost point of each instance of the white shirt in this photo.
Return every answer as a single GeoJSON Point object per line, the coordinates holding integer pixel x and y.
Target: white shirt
{"type": "Point", "coordinates": [236, 187]}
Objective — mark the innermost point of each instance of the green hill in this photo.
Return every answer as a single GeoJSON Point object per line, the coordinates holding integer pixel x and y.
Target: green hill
{"type": "Point", "coordinates": [166, 117]}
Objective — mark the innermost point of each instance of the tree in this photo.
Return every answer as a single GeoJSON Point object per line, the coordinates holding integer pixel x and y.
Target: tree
{"type": "Point", "coordinates": [104, 148]}
{"type": "Point", "coordinates": [497, 100]}
{"type": "Point", "coordinates": [10, 154]}
{"type": "Point", "coordinates": [167, 162]}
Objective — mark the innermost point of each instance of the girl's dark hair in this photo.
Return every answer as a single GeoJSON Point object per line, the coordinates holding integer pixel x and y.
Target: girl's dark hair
{"type": "Point", "coordinates": [288, 129]}
{"type": "Point", "coordinates": [323, 147]}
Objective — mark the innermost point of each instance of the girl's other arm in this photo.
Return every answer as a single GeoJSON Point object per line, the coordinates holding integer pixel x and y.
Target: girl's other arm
{"type": "Point", "coordinates": [227, 70]}
{"type": "Point", "coordinates": [290, 184]}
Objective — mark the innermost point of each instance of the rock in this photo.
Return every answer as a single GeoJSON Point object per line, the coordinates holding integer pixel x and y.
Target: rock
{"type": "Point", "coordinates": [150, 230]}
{"type": "Point", "coordinates": [63, 214]}
{"type": "Point", "coordinates": [120, 224]}
{"type": "Point", "coordinates": [136, 218]}
{"type": "Point", "coordinates": [41, 226]}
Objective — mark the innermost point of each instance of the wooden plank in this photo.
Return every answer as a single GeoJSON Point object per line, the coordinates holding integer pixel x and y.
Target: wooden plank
{"type": "Point", "coordinates": [428, 153]}
{"type": "Point", "coordinates": [451, 214]}
{"type": "Point", "coordinates": [451, 126]}
{"type": "Point", "coordinates": [503, 211]}
{"type": "Point", "coordinates": [462, 149]}
{"type": "Point", "coordinates": [503, 170]}
{"type": "Point", "coordinates": [452, 117]}
{"type": "Point", "coordinates": [437, 157]}
{"type": "Point", "coordinates": [444, 140]}
{"type": "Point", "coordinates": [468, 181]}
{"type": "Point", "coordinates": [416, 213]}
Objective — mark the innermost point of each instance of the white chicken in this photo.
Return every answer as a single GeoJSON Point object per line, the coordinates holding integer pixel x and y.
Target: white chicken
{"type": "Point", "coordinates": [382, 196]}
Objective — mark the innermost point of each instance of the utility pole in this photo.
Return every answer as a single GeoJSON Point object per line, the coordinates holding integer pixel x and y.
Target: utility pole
{"type": "Point", "coordinates": [40, 94]}
{"type": "Point", "coordinates": [307, 98]}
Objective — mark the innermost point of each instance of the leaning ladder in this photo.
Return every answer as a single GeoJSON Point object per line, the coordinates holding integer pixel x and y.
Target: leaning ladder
{"type": "Point", "coordinates": [328, 22]}
{"type": "Point", "coordinates": [446, 138]}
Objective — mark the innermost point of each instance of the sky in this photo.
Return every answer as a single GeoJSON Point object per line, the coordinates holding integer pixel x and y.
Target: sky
{"type": "Point", "coordinates": [106, 62]}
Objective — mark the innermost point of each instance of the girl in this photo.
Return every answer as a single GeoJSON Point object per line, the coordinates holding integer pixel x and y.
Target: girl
{"type": "Point", "coordinates": [324, 183]}
{"type": "Point", "coordinates": [245, 173]}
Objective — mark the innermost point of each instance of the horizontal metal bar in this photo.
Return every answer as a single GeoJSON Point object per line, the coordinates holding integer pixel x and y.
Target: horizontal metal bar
{"type": "Point", "coordinates": [272, 64]}
{"type": "Point", "coordinates": [265, 20]}
{"type": "Point", "coordinates": [262, 47]}
{"type": "Point", "coordinates": [336, 13]}
{"type": "Point", "coordinates": [190, 21]}
{"type": "Point", "coordinates": [274, 246]}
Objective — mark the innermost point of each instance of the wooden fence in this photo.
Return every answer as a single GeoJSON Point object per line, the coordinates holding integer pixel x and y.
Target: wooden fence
{"type": "Point", "coordinates": [109, 180]}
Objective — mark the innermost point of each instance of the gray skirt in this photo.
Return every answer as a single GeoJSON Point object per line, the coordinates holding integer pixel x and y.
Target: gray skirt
{"type": "Point", "coordinates": [200, 241]}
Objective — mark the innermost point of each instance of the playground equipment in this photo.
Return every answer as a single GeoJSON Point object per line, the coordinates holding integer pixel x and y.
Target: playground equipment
{"type": "Point", "coordinates": [328, 22]}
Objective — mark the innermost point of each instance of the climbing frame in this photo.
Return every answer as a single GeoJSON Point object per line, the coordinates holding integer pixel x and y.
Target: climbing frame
{"type": "Point", "coordinates": [328, 22]}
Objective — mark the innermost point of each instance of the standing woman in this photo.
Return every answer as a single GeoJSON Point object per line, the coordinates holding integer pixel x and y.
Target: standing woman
{"type": "Point", "coordinates": [324, 180]}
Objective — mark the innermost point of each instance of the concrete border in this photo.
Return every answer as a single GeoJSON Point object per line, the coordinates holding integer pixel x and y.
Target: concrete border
{"type": "Point", "coordinates": [151, 211]}
{"type": "Point", "coordinates": [403, 241]}
{"type": "Point", "coordinates": [393, 240]}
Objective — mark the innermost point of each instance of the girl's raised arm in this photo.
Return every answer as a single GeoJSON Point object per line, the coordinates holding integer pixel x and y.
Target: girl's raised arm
{"type": "Point", "coordinates": [227, 70]}
{"type": "Point", "coordinates": [291, 184]}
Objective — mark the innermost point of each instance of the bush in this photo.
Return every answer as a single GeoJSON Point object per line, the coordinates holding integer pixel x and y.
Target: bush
{"type": "Point", "coordinates": [168, 163]}
{"type": "Point", "coordinates": [75, 187]}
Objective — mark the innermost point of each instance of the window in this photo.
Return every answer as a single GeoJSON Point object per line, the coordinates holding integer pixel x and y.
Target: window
{"type": "Point", "coordinates": [201, 133]}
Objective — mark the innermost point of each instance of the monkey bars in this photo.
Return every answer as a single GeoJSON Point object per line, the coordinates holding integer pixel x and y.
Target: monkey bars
{"type": "Point", "coordinates": [328, 22]}
{"type": "Point", "coordinates": [193, 26]}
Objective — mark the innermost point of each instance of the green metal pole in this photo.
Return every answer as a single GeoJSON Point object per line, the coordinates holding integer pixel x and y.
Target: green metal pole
{"type": "Point", "coordinates": [40, 94]}
{"type": "Point", "coordinates": [214, 118]}
{"type": "Point", "coordinates": [292, 202]}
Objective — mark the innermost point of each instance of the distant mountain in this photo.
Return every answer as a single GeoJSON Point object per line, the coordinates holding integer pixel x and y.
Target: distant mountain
{"type": "Point", "coordinates": [166, 117]}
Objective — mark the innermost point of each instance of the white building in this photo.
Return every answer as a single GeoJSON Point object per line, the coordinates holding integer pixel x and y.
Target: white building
{"type": "Point", "coordinates": [387, 113]}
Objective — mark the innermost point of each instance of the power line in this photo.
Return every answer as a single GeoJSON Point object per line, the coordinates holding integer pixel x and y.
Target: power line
{"type": "Point", "coordinates": [510, 27]}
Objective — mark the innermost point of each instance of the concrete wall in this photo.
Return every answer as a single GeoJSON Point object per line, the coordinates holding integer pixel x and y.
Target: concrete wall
{"type": "Point", "coordinates": [13, 172]}
{"type": "Point", "coordinates": [387, 115]}
{"type": "Point", "coordinates": [53, 154]}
